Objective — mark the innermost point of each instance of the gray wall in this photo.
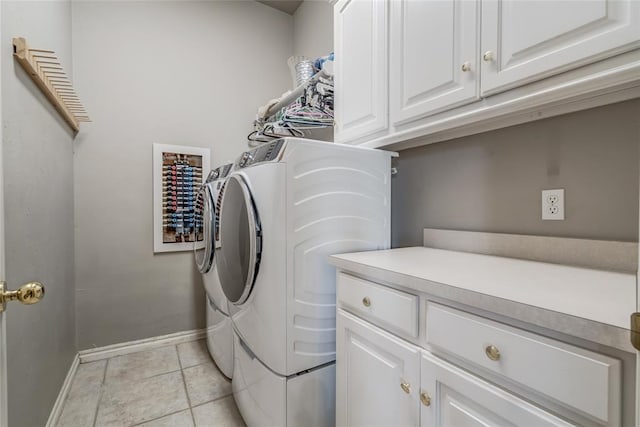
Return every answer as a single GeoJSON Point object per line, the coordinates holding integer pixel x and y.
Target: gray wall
{"type": "Point", "coordinates": [313, 29]}
{"type": "Point", "coordinates": [313, 37]}
{"type": "Point", "coordinates": [492, 181]}
{"type": "Point", "coordinates": [191, 73]}
{"type": "Point", "coordinates": [38, 191]}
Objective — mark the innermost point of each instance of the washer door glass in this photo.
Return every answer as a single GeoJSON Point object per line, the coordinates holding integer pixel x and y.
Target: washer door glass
{"type": "Point", "coordinates": [238, 256]}
{"type": "Point", "coordinates": [205, 214]}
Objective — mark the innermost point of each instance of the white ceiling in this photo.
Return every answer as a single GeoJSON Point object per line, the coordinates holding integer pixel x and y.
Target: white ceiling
{"type": "Point", "coordinates": [286, 6]}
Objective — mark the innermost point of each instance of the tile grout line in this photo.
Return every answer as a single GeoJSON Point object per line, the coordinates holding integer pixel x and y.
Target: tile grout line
{"type": "Point", "coordinates": [102, 386]}
{"type": "Point", "coordinates": [184, 383]}
{"type": "Point", "coordinates": [124, 380]}
{"type": "Point", "coordinates": [214, 400]}
{"type": "Point", "coordinates": [157, 418]}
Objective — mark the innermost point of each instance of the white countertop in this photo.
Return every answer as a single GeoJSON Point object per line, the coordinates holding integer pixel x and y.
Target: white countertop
{"type": "Point", "coordinates": [601, 296]}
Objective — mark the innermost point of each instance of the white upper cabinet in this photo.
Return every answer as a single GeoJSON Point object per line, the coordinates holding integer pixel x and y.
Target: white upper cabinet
{"type": "Point", "coordinates": [434, 58]}
{"type": "Point", "coordinates": [526, 40]}
{"type": "Point", "coordinates": [361, 77]}
{"type": "Point", "coordinates": [441, 69]}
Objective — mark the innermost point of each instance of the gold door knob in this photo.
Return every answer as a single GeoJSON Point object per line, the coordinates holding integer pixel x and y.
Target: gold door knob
{"type": "Point", "coordinates": [366, 302]}
{"type": "Point", "coordinates": [425, 398]}
{"type": "Point", "coordinates": [492, 352]}
{"type": "Point", "coordinates": [488, 56]}
{"type": "Point", "coordinates": [466, 67]}
{"type": "Point", "coordinates": [406, 387]}
{"type": "Point", "coordinates": [29, 293]}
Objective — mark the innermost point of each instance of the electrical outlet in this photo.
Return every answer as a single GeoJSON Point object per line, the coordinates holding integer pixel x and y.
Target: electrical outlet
{"type": "Point", "coordinates": [553, 204]}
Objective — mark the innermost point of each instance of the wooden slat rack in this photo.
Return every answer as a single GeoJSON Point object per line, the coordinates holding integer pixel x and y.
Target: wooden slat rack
{"type": "Point", "coordinates": [43, 66]}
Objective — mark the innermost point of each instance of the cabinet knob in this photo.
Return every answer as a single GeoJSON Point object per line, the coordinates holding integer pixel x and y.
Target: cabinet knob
{"type": "Point", "coordinates": [466, 67]}
{"type": "Point", "coordinates": [492, 352]}
{"type": "Point", "coordinates": [488, 56]}
{"type": "Point", "coordinates": [425, 398]}
{"type": "Point", "coordinates": [366, 301]}
{"type": "Point", "coordinates": [406, 387]}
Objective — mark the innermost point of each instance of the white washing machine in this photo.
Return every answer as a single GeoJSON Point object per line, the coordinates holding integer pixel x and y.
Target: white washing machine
{"type": "Point", "coordinates": [219, 328]}
{"type": "Point", "coordinates": [287, 206]}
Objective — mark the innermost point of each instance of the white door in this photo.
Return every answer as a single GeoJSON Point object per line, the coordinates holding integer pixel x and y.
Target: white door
{"type": "Point", "coordinates": [360, 28]}
{"type": "Point", "coordinates": [451, 396]}
{"type": "Point", "coordinates": [529, 40]}
{"type": "Point", "coordinates": [3, 351]}
{"type": "Point", "coordinates": [638, 361]}
{"type": "Point", "coordinates": [377, 376]}
{"type": "Point", "coordinates": [434, 56]}
{"type": "Point", "coordinates": [638, 349]}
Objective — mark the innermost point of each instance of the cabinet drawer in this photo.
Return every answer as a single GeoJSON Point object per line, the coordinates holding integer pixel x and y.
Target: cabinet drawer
{"type": "Point", "coordinates": [396, 309]}
{"type": "Point", "coordinates": [585, 381]}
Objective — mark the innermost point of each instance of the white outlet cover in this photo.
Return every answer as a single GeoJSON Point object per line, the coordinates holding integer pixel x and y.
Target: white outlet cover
{"type": "Point", "coordinates": [553, 205]}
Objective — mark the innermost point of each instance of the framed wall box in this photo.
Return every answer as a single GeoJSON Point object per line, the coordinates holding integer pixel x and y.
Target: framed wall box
{"type": "Point", "coordinates": [178, 173]}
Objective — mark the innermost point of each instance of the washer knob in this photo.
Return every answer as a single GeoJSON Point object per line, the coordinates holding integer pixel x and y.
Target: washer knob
{"type": "Point", "coordinates": [246, 156]}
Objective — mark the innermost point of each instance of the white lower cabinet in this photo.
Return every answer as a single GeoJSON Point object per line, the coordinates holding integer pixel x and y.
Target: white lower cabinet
{"type": "Point", "coordinates": [385, 381]}
{"type": "Point", "coordinates": [511, 377]}
{"type": "Point", "coordinates": [377, 376]}
{"type": "Point", "coordinates": [453, 397]}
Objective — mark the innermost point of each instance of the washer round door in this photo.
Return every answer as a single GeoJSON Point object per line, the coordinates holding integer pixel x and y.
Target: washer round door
{"type": "Point", "coordinates": [206, 211]}
{"type": "Point", "coordinates": [238, 256]}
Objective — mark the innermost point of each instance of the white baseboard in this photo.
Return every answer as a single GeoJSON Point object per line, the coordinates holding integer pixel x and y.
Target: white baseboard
{"type": "Point", "coordinates": [100, 353]}
{"type": "Point", "coordinates": [56, 411]}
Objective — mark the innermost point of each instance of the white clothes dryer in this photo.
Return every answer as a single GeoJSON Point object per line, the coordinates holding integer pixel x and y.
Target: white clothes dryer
{"type": "Point", "coordinates": [288, 206]}
{"type": "Point", "coordinates": [219, 328]}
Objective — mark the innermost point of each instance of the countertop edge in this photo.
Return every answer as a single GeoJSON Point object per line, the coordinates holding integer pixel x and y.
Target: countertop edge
{"type": "Point", "coordinates": [586, 329]}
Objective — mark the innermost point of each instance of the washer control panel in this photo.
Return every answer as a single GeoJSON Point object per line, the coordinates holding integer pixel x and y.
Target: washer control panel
{"type": "Point", "coordinates": [264, 153]}
{"type": "Point", "coordinates": [224, 170]}
{"type": "Point", "coordinates": [213, 175]}
{"type": "Point", "coordinates": [219, 172]}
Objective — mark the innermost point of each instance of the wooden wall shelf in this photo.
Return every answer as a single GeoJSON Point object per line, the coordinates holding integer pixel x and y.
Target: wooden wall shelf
{"type": "Point", "coordinates": [43, 66]}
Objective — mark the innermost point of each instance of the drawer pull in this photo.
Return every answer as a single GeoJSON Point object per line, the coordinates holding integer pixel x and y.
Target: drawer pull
{"type": "Point", "coordinates": [425, 398]}
{"type": "Point", "coordinates": [492, 352]}
{"type": "Point", "coordinates": [406, 387]}
{"type": "Point", "coordinates": [366, 302]}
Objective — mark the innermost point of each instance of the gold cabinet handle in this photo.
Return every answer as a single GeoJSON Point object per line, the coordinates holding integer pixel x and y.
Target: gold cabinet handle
{"type": "Point", "coordinates": [488, 56]}
{"type": "Point", "coordinates": [492, 352]}
{"type": "Point", "coordinates": [406, 387]}
{"type": "Point", "coordinates": [366, 302]}
{"type": "Point", "coordinates": [425, 398]}
{"type": "Point", "coordinates": [466, 67]}
{"type": "Point", "coordinates": [29, 293]}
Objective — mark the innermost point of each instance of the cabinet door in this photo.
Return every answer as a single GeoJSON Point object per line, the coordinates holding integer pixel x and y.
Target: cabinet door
{"type": "Point", "coordinates": [533, 39]}
{"type": "Point", "coordinates": [360, 68]}
{"type": "Point", "coordinates": [453, 397]}
{"type": "Point", "coordinates": [377, 376]}
{"type": "Point", "coordinates": [434, 56]}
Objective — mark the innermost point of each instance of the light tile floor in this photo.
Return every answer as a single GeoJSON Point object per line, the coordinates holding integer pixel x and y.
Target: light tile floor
{"type": "Point", "coordinates": [172, 386]}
